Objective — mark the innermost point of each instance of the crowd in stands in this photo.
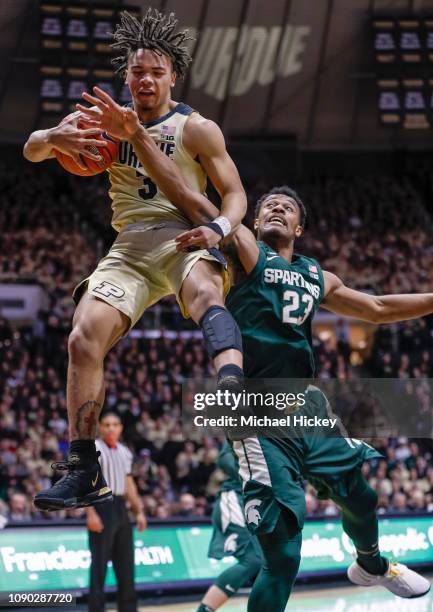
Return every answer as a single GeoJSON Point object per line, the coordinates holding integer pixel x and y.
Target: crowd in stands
{"type": "Point", "coordinates": [366, 231]}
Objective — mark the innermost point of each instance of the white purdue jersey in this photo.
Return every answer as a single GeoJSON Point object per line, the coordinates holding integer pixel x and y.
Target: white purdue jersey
{"type": "Point", "coordinates": [134, 196]}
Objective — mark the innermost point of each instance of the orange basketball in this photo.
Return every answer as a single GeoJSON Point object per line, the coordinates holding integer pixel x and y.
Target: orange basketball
{"type": "Point", "coordinates": [108, 153]}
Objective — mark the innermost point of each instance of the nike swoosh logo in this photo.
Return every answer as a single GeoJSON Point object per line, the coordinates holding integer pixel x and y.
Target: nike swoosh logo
{"type": "Point", "coordinates": [215, 315]}
{"type": "Point", "coordinates": [96, 480]}
{"type": "Point", "coordinates": [273, 257]}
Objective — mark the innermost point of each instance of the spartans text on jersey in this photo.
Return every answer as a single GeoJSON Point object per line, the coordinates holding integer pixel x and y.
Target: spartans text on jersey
{"type": "Point", "coordinates": [290, 277]}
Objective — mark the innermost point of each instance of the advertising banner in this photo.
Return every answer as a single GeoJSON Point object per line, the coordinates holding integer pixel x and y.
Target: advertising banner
{"type": "Point", "coordinates": [55, 558]}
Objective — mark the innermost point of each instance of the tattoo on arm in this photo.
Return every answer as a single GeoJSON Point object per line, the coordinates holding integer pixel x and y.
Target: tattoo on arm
{"type": "Point", "coordinates": [86, 419]}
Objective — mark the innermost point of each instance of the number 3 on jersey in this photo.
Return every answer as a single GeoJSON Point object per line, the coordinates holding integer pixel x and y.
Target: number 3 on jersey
{"type": "Point", "coordinates": [293, 306]}
{"type": "Point", "coordinates": [148, 189]}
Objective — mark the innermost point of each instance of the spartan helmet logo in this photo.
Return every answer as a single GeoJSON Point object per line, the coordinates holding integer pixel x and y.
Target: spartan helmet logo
{"type": "Point", "coordinates": [251, 513]}
{"type": "Point", "coordinates": [230, 545]}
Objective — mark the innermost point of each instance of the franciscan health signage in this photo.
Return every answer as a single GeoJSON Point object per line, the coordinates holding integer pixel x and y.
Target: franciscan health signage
{"type": "Point", "coordinates": [58, 558]}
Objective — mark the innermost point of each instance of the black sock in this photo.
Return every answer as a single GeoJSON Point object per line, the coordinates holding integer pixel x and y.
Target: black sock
{"type": "Point", "coordinates": [230, 370]}
{"type": "Point", "coordinates": [373, 564]}
{"type": "Point", "coordinates": [204, 608]}
{"type": "Point", "coordinates": [85, 449]}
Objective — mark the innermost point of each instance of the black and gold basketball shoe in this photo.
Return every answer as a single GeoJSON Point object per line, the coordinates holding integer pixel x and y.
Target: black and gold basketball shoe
{"type": "Point", "coordinates": [83, 485]}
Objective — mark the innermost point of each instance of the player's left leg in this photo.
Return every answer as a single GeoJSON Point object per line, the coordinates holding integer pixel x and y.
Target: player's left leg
{"type": "Point", "coordinates": [202, 294]}
{"type": "Point", "coordinates": [232, 579]}
{"type": "Point", "coordinates": [274, 507]}
{"type": "Point", "coordinates": [282, 552]}
{"type": "Point", "coordinates": [200, 281]}
{"type": "Point", "coordinates": [360, 522]}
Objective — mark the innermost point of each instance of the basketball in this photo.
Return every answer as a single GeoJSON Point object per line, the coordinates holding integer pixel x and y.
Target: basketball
{"type": "Point", "coordinates": [108, 153]}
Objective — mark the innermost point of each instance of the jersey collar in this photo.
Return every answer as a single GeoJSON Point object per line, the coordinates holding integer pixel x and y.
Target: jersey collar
{"type": "Point", "coordinates": [179, 107]}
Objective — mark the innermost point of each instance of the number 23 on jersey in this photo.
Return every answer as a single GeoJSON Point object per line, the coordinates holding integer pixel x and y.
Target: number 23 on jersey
{"type": "Point", "coordinates": [297, 309]}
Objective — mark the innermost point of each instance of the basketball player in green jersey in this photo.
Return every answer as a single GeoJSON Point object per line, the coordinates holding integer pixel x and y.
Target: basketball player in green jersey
{"type": "Point", "coordinates": [274, 301]}
{"type": "Point", "coordinates": [230, 536]}
{"type": "Point", "coordinates": [275, 296]}
{"type": "Point", "coordinates": [143, 265]}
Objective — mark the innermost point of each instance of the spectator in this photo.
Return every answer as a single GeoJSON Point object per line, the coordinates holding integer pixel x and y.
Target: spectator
{"type": "Point", "coordinates": [18, 509]}
{"type": "Point", "coordinates": [187, 505]}
{"type": "Point", "coordinates": [399, 503]}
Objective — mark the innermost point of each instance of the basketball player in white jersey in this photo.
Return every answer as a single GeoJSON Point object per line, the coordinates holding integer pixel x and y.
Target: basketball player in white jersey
{"type": "Point", "coordinates": [143, 264]}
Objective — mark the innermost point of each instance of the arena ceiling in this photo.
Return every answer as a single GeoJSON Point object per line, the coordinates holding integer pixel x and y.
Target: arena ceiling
{"type": "Point", "coordinates": [322, 89]}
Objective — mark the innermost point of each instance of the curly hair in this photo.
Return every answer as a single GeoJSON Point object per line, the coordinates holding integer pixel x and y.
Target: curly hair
{"type": "Point", "coordinates": [154, 31]}
{"type": "Point", "coordinates": [290, 193]}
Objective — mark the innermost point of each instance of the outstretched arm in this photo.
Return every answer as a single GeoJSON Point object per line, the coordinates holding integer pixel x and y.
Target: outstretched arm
{"type": "Point", "coordinates": [374, 308]}
{"type": "Point", "coordinates": [243, 242]}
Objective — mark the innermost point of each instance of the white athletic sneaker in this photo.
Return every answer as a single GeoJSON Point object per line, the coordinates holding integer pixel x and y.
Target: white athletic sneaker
{"type": "Point", "coordinates": [399, 579]}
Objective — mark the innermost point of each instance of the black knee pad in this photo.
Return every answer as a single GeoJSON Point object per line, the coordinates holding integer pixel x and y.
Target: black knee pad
{"type": "Point", "coordinates": [220, 331]}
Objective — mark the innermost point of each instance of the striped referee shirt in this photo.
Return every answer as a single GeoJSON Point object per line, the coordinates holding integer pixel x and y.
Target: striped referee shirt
{"type": "Point", "coordinates": [116, 464]}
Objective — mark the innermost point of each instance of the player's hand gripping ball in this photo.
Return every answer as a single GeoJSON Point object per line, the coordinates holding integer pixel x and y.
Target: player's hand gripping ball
{"type": "Point", "coordinates": [81, 158]}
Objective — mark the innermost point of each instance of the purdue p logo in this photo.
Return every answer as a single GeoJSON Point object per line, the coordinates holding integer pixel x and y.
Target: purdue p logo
{"type": "Point", "coordinates": [251, 513]}
{"type": "Point", "coordinates": [109, 290]}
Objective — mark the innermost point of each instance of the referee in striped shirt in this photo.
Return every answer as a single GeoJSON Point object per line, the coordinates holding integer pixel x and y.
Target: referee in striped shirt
{"type": "Point", "coordinates": [110, 531]}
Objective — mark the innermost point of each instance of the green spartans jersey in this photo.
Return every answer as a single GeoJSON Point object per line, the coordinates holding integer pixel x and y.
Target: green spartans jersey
{"type": "Point", "coordinates": [274, 307]}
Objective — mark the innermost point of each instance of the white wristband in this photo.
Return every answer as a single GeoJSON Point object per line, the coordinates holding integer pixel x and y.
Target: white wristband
{"type": "Point", "coordinates": [224, 224]}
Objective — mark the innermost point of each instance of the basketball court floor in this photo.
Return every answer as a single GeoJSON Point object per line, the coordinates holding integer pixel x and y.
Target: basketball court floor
{"type": "Point", "coordinates": [344, 599]}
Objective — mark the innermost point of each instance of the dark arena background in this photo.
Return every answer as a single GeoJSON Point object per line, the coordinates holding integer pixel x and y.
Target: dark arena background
{"type": "Point", "coordinates": [333, 97]}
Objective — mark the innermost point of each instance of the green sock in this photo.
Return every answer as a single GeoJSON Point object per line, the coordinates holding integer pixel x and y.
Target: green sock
{"type": "Point", "coordinates": [359, 520]}
{"type": "Point", "coordinates": [372, 562]}
{"type": "Point", "coordinates": [203, 608]}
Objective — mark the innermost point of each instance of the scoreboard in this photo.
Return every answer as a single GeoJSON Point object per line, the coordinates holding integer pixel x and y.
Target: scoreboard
{"type": "Point", "coordinates": [403, 49]}
{"type": "Point", "coordinates": [75, 52]}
